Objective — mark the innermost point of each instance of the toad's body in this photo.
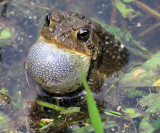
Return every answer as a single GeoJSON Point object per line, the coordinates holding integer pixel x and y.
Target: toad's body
{"type": "Point", "coordinates": [69, 42]}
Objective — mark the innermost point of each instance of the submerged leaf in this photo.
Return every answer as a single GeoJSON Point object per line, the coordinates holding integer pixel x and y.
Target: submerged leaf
{"type": "Point", "coordinates": [149, 76]}
{"type": "Point", "coordinates": [145, 126]}
{"type": "Point", "coordinates": [86, 129]}
{"type": "Point", "coordinates": [132, 113]}
{"type": "Point", "coordinates": [70, 110]}
{"type": "Point", "coordinates": [63, 110]}
{"type": "Point", "coordinates": [49, 105]}
{"type": "Point", "coordinates": [5, 34]}
{"type": "Point", "coordinates": [45, 126]}
{"type": "Point", "coordinates": [127, 1]}
{"type": "Point", "coordinates": [152, 101]}
{"type": "Point", "coordinates": [113, 113]}
{"type": "Point", "coordinates": [3, 90]}
{"type": "Point", "coordinates": [156, 124]}
{"type": "Point", "coordinates": [127, 12]}
{"type": "Point", "coordinates": [132, 92]}
{"type": "Point", "coordinates": [1, 118]}
{"type": "Point", "coordinates": [124, 37]}
{"type": "Point", "coordinates": [4, 119]}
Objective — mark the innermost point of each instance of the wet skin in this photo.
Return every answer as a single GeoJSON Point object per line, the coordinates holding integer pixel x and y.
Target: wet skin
{"type": "Point", "coordinates": [69, 42]}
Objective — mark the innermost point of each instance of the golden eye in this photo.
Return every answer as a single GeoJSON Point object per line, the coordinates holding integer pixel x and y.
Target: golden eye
{"type": "Point", "coordinates": [83, 34]}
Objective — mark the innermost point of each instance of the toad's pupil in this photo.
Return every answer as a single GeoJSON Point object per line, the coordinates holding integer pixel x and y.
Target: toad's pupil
{"type": "Point", "coordinates": [47, 19]}
{"type": "Point", "coordinates": [83, 34]}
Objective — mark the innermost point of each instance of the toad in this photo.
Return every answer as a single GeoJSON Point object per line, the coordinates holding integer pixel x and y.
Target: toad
{"type": "Point", "coordinates": [68, 43]}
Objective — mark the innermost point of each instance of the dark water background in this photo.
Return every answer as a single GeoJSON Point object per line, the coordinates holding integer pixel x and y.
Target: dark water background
{"type": "Point", "coordinates": [24, 19]}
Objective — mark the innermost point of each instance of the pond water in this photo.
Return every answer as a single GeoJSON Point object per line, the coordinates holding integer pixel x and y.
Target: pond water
{"type": "Point", "coordinates": [129, 92]}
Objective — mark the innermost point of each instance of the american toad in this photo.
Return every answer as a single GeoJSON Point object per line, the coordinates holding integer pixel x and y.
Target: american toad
{"type": "Point", "coordinates": [69, 42]}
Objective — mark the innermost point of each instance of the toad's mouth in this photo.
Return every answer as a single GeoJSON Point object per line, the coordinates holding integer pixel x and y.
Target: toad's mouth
{"type": "Point", "coordinates": [85, 50]}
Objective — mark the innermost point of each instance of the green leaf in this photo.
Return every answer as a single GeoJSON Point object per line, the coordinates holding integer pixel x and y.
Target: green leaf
{"type": "Point", "coordinates": [62, 110]}
{"type": "Point", "coordinates": [125, 10]}
{"type": "Point", "coordinates": [70, 110]}
{"type": "Point", "coordinates": [152, 101]}
{"type": "Point", "coordinates": [4, 119]}
{"type": "Point", "coordinates": [132, 113]}
{"type": "Point", "coordinates": [125, 36]}
{"type": "Point", "coordinates": [49, 105]}
{"type": "Point", "coordinates": [5, 34]}
{"type": "Point", "coordinates": [86, 129]}
{"type": "Point", "coordinates": [132, 92]}
{"type": "Point", "coordinates": [148, 78]}
{"type": "Point", "coordinates": [128, 1]}
{"type": "Point", "coordinates": [113, 113]}
{"type": "Point", "coordinates": [92, 108]}
{"type": "Point", "coordinates": [46, 126]}
{"type": "Point", "coordinates": [156, 124]}
{"type": "Point", "coordinates": [145, 126]}
{"type": "Point", "coordinates": [42, 124]}
{"type": "Point", "coordinates": [1, 118]}
{"type": "Point", "coordinates": [3, 90]}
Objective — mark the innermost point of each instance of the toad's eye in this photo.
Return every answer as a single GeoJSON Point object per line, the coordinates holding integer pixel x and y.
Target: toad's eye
{"type": "Point", "coordinates": [83, 34]}
{"type": "Point", "coordinates": [47, 20]}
